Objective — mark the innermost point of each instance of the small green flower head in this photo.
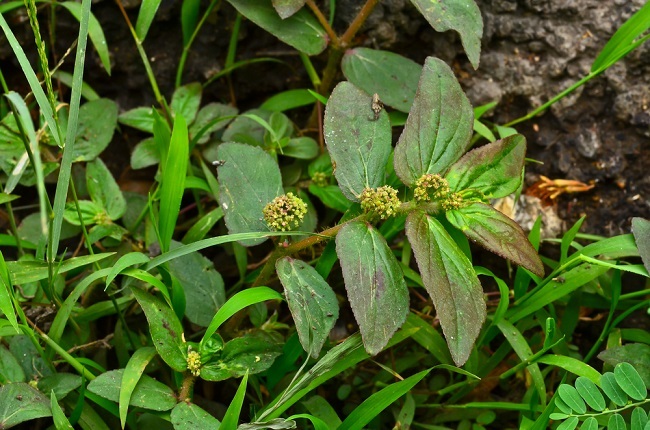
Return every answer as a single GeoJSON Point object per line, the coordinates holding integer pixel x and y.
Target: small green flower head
{"type": "Point", "coordinates": [320, 179]}
{"type": "Point", "coordinates": [452, 201]}
{"type": "Point", "coordinates": [285, 212]}
{"type": "Point", "coordinates": [194, 362]}
{"type": "Point", "coordinates": [381, 202]}
{"type": "Point", "coordinates": [431, 186]}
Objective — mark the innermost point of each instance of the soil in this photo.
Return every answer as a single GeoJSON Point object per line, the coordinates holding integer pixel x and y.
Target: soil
{"type": "Point", "coordinates": [531, 50]}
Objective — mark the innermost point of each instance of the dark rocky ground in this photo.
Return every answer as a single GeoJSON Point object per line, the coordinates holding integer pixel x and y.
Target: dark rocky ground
{"type": "Point", "coordinates": [532, 49]}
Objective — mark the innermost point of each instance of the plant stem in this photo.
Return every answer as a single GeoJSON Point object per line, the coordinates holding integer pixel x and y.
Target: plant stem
{"type": "Point", "coordinates": [186, 387]}
{"type": "Point", "coordinates": [334, 39]}
{"type": "Point", "coordinates": [361, 17]}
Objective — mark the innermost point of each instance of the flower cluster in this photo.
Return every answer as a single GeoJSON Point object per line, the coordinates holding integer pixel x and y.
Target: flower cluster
{"type": "Point", "coordinates": [381, 202]}
{"type": "Point", "coordinates": [431, 186]}
{"type": "Point", "coordinates": [194, 362]}
{"type": "Point", "coordinates": [452, 201]}
{"type": "Point", "coordinates": [285, 212]}
{"type": "Point", "coordinates": [320, 179]}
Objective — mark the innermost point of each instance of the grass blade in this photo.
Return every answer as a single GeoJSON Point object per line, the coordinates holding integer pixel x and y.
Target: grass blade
{"type": "Point", "coordinates": [148, 10]}
{"type": "Point", "coordinates": [134, 369]}
{"type": "Point", "coordinates": [95, 32]}
{"type": "Point", "coordinates": [231, 417]}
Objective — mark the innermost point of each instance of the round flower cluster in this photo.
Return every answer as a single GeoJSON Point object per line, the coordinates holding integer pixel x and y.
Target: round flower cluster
{"type": "Point", "coordinates": [452, 201]}
{"type": "Point", "coordinates": [320, 179]}
{"type": "Point", "coordinates": [194, 362]}
{"type": "Point", "coordinates": [431, 186]}
{"type": "Point", "coordinates": [285, 212]}
{"type": "Point", "coordinates": [382, 202]}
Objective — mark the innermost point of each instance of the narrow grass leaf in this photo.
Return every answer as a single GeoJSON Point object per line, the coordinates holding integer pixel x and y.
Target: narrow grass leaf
{"type": "Point", "coordinates": [189, 18]}
{"type": "Point", "coordinates": [611, 388]}
{"type": "Point", "coordinates": [24, 272]}
{"type": "Point", "coordinates": [188, 416]}
{"type": "Point", "coordinates": [87, 91]}
{"type": "Point", "coordinates": [148, 10]}
{"type": "Point", "coordinates": [166, 330]}
{"type": "Point", "coordinates": [630, 381]}
{"type": "Point", "coordinates": [616, 422]}
{"type": "Point", "coordinates": [6, 295]}
{"type": "Point", "coordinates": [319, 407]}
{"type": "Point", "coordinates": [374, 283]}
{"type": "Point", "coordinates": [428, 338]}
{"type": "Point", "coordinates": [287, 100]}
{"type": "Point", "coordinates": [572, 398]}
{"type": "Point", "coordinates": [173, 181]}
{"type": "Point", "coordinates": [95, 32]}
{"type": "Point", "coordinates": [131, 376]}
{"type": "Point", "coordinates": [426, 146]}
{"type": "Point", "coordinates": [236, 303]}
{"type": "Point", "coordinates": [359, 145]}
{"type": "Point", "coordinates": [567, 239]}
{"type": "Point", "coordinates": [315, 421]}
{"type": "Point", "coordinates": [203, 226]}
{"type": "Point", "coordinates": [392, 76]}
{"type": "Point", "coordinates": [231, 417]}
{"type": "Point", "coordinates": [379, 401]}
{"type": "Point", "coordinates": [573, 365]}
{"type": "Point", "coordinates": [60, 420]}
{"type": "Point", "coordinates": [590, 393]}
{"type": "Point", "coordinates": [127, 260]}
{"type": "Point", "coordinates": [312, 302]}
{"type": "Point", "coordinates": [148, 393]}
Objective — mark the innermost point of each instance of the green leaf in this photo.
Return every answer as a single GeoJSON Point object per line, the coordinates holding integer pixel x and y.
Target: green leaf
{"type": "Point", "coordinates": [590, 393]}
{"type": "Point", "coordinates": [451, 282]}
{"type": "Point", "coordinates": [571, 397]}
{"type": "Point", "coordinates": [641, 231]}
{"type": "Point", "coordinates": [173, 181]}
{"type": "Point", "coordinates": [249, 179]}
{"type": "Point", "coordinates": [140, 118]}
{"type": "Point", "coordinates": [462, 16]}
{"type": "Point", "coordinates": [616, 422]}
{"type": "Point", "coordinates": [166, 330]}
{"type": "Point", "coordinates": [287, 100]}
{"type": "Point", "coordinates": [24, 272]}
{"type": "Point", "coordinates": [376, 403]}
{"type": "Point", "coordinates": [494, 169]}
{"type": "Point", "coordinates": [639, 419]}
{"type": "Point", "coordinates": [320, 408]}
{"type": "Point", "coordinates": [374, 282]}
{"type": "Point", "coordinates": [91, 213]}
{"type": "Point", "coordinates": [231, 417]}
{"type": "Point", "coordinates": [60, 420]}
{"type": "Point", "coordinates": [236, 303]}
{"type": "Point", "coordinates": [7, 294]}
{"type": "Point", "coordinates": [244, 129]}
{"type": "Point", "coordinates": [311, 300]}
{"type": "Point", "coordinates": [203, 226]}
{"type": "Point", "coordinates": [61, 383]}
{"type": "Point", "coordinates": [331, 196]}
{"type": "Point", "coordinates": [188, 416]}
{"type": "Point", "coordinates": [131, 377]}
{"type": "Point", "coordinates": [148, 393]}
{"type": "Point", "coordinates": [286, 8]}
{"type": "Point", "coordinates": [126, 260]}
{"type": "Point", "coordinates": [202, 284]}
{"type": "Point", "coordinates": [392, 76]}
{"type": "Point", "coordinates": [358, 144]}
{"type": "Point", "coordinates": [301, 30]}
{"type": "Point", "coordinates": [95, 33]}
{"type": "Point", "coordinates": [104, 190]}
{"type": "Point", "coordinates": [97, 122]}
{"type": "Point", "coordinates": [439, 126]}
{"type": "Point", "coordinates": [569, 424]}
{"type": "Point", "coordinates": [212, 117]}
{"type": "Point", "coordinates": [624, 40]}
{"type": "Point", "coordinates": [498, 233]}
{"type": "Point", "coordinates": [304, 148]}
{"type": "Point", "coordinates": [611, 388]}
{"type": "Point", "coordinates": [145, 154]}
{"type": "Point", "coordinates": [20, 403]}
{"type": "Point", "coordinates": [148, 9]}
{"type": "Point", "coordinates": [630, 381]}
{"type": "Point", "coordinates": [10, 369]}
{"type": "Point", "coordinates": [189, 18]}
{"type": "Point", "coordinates": [186, 101]}
{"type": "Point", "coordinates": [637, 354]}
{"type": "Point", "coordinates": [249, 354]}
{"type": "Point", "coordinates": [590, 423]}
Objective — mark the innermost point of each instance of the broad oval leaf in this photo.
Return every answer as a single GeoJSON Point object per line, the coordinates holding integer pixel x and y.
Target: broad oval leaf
{"type": "Point", "coordinates": [641, 231]}
{"type": "Point", "coordinates": [311, 300]}
{"type": "Point", "coordinates": [10, 369]}
{"type": "Point", "coordinates": [358, 144]}
{"type": "Point", "coordinates": [166, 330]}
{"type": "Point", "coordinates": [569, 424]}
{"type": "Point", "coordinates": [61, 383]}
{"type": "Point", "coordinates": [140, 118]}
{"type": "Point", "coordinates": [630, 381]}
{"type": "Point", "coordinates": [590, 393]}
{"type": "Point", "coordinates": [392, 76]}
{"type": "Point", "coordinates": [494, 169]}
{"type": "Point", "coordinates": [301, 30]}
{"type": "Point", "coordinates": [188, 416]}
{"type": "Point", "coordinates": [20, 403]}
{"type": "Point", "coordinates": [286, 8]}
{"type": "Point", "coordinates": [462, 16]}
{"type": "Point", "coordinates": [439, 126]}
{"type": "Point", "coordinates": [148, 393]}
{"type": "Point", "coordinates": [616, 422]}
{"type": "Point", "coordinates": [570, 396]}
{"type": "Point", "coordinates": [97, 121]}
{"type": "Point", "coordinates": [104, 190]}
{"type": "Point", "coordinates": [612, 390]}
{"type": "Point", "coordinates": [374, 282]}
{"type": "Point", "coordinates": [450, 279]}
{"type": "Point", "coordinates": [590, 423]}
{"type": "Point", "coordinates": [498, 233]}
{"type": "Point", "coordinates": [639, 418]}
{"type": "Point", "coordinates": [186, 101]}
{"type": "Point", "coordinates": [637, 354]}
{"type": "Point", "coordinates": [249, 179]}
